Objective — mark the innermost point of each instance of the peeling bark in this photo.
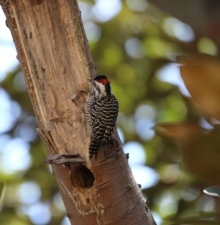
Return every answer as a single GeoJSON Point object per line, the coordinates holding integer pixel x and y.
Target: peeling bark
{"type": "Point", "coordinates": [55, 58]}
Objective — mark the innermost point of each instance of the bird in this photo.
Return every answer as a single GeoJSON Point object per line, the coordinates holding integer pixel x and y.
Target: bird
{"type": "Point", "coordinates": [101, 114]}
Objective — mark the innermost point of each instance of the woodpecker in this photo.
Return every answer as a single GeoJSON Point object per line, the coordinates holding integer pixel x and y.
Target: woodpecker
{"type": "Point", "coordinates": [101, 114]}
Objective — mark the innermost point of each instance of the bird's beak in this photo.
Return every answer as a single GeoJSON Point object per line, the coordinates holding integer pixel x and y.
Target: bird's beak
{"type": "Point", "coordinates": [89, 80]}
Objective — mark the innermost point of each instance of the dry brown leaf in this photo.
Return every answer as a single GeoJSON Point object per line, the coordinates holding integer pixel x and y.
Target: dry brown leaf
{"type": "Point", "coordinates": [202, 157]}
{"type": "Point", "coordinates": [201, 76]}
{"type": "Point", "coordinates": [182, 133]}
{"type": "Point", "coordinates": [200, 148]}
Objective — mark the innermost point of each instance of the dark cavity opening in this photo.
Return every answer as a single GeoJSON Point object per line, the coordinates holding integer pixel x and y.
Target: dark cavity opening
{"type": "Point", "coordinates": [82, 177]}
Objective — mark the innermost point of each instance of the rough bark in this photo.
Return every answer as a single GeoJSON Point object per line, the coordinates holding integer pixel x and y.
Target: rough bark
{"type": "Point", "coordinates": [55, 58]}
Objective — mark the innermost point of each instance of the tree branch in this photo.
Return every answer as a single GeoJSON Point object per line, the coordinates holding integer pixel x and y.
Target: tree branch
{"type": "Point", "coordinates": [55, 58]}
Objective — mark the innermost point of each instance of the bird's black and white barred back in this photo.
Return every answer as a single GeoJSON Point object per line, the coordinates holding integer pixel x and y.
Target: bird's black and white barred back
{"type": "Point", "coordinates": [101, 114]}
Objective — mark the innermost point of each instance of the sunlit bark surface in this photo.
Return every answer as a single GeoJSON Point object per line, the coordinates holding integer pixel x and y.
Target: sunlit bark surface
{"type": "Point", "coordinates": [55, 58]}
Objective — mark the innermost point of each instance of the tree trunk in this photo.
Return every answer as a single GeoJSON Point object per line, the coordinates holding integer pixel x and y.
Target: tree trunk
{"type": "Point", "coordinates": [55, 58]}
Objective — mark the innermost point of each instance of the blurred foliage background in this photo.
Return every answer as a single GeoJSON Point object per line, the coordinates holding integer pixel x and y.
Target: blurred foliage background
{"type": "Point", "coordinates": [169, 125]}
